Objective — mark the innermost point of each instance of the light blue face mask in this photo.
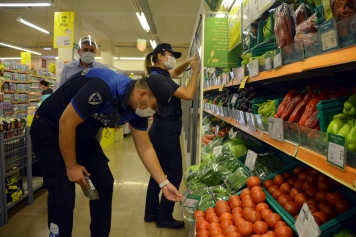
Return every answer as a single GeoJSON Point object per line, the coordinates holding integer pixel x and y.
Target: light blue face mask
{"type": "Point", "coordinates": [148, 112]}
{"type": "Point", "coordinates": [88, 57]}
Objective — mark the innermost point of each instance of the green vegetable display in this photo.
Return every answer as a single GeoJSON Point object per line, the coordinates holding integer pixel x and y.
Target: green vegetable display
{"type": "Point", "coordinates": [236, 180]}
{"type": "Point", "coordinates": [220, 193]}
{"type": "Point", "coordinates": [267, 164]}
{"type": "Point", "coordinates": [239, 150]}
{"type": "Point", "coordinates": [350, 106]}
{"type": "Point", "coordinates": [213, 174]}
{"type": "Point", "coordinates": [227, 159]}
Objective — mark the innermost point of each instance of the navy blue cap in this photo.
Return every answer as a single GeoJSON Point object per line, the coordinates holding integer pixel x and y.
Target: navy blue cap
{"type": "Point", "coordinates": [166, 47]}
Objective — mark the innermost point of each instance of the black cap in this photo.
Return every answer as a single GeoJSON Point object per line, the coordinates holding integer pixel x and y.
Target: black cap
{"type": "Point", "coordinates": [162, 90]}
{"type": "Point", "coordinates": [166, 47]}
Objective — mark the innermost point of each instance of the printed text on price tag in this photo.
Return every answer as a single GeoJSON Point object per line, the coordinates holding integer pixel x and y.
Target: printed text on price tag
{"type": "Point", "coordinates": [337, 151]}
{"type": "Point", "coordinates": [277, 60]}
{"type": "Point", "coordinates": [275, 129]}
{"type": "Point", "coordinates": [251, 160]}
{"type": "Point", "coordinates": [306, 225]}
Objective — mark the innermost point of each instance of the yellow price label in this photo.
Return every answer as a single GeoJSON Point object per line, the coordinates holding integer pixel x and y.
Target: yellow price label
{"type": "Point", "coordinates": [221, 87]}
{"type": "Point", "coordinates": [243, 82]}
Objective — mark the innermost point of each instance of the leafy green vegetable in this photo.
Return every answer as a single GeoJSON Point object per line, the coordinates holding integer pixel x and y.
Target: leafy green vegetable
{"type": "Point", "coordinates": [239, 150]}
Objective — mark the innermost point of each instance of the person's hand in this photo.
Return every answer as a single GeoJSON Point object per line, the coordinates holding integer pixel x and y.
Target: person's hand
{"type": "Point", "coordinates": [196, 57]}
{"type": "Point", "coordinates": [76, 174]}
{"type": "Point", "coordinates": [171, 193]}
{"type": "Point", "coordinates": [195, 65]}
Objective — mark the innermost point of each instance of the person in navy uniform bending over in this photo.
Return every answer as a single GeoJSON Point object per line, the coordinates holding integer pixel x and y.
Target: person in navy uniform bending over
{"type": "Point", "coordinates": [63, 137]}
{"type": "Point", "coordinates": [165, 131]}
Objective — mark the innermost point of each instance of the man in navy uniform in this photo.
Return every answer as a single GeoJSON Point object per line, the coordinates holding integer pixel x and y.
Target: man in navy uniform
{"type": "Point", "coordinates": [63, 137]}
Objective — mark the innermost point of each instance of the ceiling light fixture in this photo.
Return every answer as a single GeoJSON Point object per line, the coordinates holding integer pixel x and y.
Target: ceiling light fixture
{"type": "Point", "coordinates": [97, 57]}
{"type": "Point", "coordinates": [33, 26]}
{"type": "Point", "coordinates": [19, 48]}
{"type": "Point", "coordinates": [10, 58]}
{"type": "Point", "coordinates": [47, 48]}
{"type": "Point", "coordinates": [116, 57]}
{"type": "Point", "coordinates": [219, 15]}
{"type": "Point", "coordinates": [141, 17]}
{"type": "Point", "coordinates": [38, 4]}
{"type": "Point", "coordinates": [131, 58]}
{"type": "Point", "coordinates": [153, 43]}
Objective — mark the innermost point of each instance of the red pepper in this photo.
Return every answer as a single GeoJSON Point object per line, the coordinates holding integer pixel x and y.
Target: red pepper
{"type": "Point", "coordinates": [312, 121]}
{"type": "Point", "coordinates": [291, 106]}
{"type": "Point", "coordinates": [342, 92]}
{"type": "Point", "coordinates": [311, 108]}
{"type": "Point", "coordinates": [286, 100]}
{"type": "Point", "coordinates": [299, 110]}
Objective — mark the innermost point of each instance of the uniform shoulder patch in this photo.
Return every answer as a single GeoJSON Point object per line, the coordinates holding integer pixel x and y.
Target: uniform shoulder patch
{"type": "Point", "coordinates": [95, 99]}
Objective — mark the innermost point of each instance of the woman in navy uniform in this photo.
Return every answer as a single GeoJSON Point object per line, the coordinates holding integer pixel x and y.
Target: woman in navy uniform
{"type": "Point", "coordinates": [63, 137]}
{"type": "Point", "coordinates": [165, 132]}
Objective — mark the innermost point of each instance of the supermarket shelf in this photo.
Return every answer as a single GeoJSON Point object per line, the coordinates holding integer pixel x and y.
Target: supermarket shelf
{"type": "Point", "coordinates": [282, 71]}
{"type": "Point", "coordinates": [37, 183]}
{"type": "Point", "coordinates": [11, 204]}
{"type": "Point", "coordinates": [311, 158]}
{"type": "Point", "coordinates": [318, 162]}
{"type": "Point", "coordinates": [230, 84]}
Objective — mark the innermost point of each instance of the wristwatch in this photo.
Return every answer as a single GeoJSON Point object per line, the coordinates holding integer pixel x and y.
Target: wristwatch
{"type": "Point", "coordinates": [164, 183]}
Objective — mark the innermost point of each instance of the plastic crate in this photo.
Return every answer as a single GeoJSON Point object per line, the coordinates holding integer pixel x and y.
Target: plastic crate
{"type": "Point", "coordinates": [327, 109]}
{"type": "Point", "coordinates": [291, 162]}
{"type": "Point", "coordinates": [326, 228]}
{"type": "Point", "coordinates": [262, 100]}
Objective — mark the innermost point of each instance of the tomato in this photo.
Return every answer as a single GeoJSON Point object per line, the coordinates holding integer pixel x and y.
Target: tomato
{"type": "Point", "coordinates": [271, 233]}
{"type": "Point", "coordinates": [203, 225]}
{"type": "Point", "coordinates": [253, 216]}
{"type": "Point", "coordinates": [258, 197]}
{"type": "Point", "coordinates": [279, 224]}
{"type": "Point", "coordinates": [286, 187]}
{"type": "Point", "coordinates": [221, 203]}
{"type": "Point", "coordinates": [312, 202]}
{"type": "Point", "coordinates": [317, 220]}
{"type": "Point", "coordinates": [256, 188]}
{"type": "Point", "coordinates": [321, 215]}
{"type": "Point", "coordinates": [235, 216]}
{"type": "Point", "coordinates": [300, 199]}
{"type": "Point", "coordinates": [225, 216]}
{"type": "Point", "coordinates": [199, 219]}
{"type": "Point", "coordinates": [299, 183]}
{"type": "Point", "coordinates": [246, 197]}
{"type": "Point", "coordinates": [246, 211]}
{"type": "Point", "coordinates": [261, 206]}
{"type": "Point", "coordinates": [253, 181]}
{"type": "Point", "coordinates": [322, 177]}
{"type": "Point", "coordinates": [198, 213]}
{"type": "Point", "coordinates": [244, 192]}
{"type": "Point", "coordinates": [214, 231]}
{"type": "Point", "coordinates": [315, 172]}
{"type": "Point", "coordinates": [265, 212]}
{"type": "Point", "coordinates": [271, 219]}
{"type": "Point", "coordinates": [236, 210]}
{"type": "Point", "coordinates": [248, 203]}
{"type": "Point", "coordinates": [214, 219]}
{"type": "Point", "coordinates": [297, 171]}
{"type": "Point", "coordinates": [218, 235]}
{"type": "Point", "coordinates": [235, 203]}
{"type": "Point", "coordinates": [311, 192]}
{"type": "Point", "coordinates": [324, 204]}
{"type": "Point", "coordinates": [292, 208]}
{"type": "Point", "coordinates": [208, 216]}
{"type": "Point", "coordinates": [321, 196]}
{"type": "Point", "coordinates": [294, 191]}
{"type": "Point", "coordinates": [292, 180]}
{"type": "Point", "coordinates": [324, 186]}
{"type": "Point", "coordinates": [307, 185]}
{"type": "Point", "coordinates": [260, 227]}
{"type": "Point", "coordinates": [277, 193]}
{"type": "Point", "coordinates": [245, 228]}
{"type": "Point", "coordinates": [233, 197]}
{"type": "Point", "coordinates": [287, 175]}
{"type": "Point", "coordinates": [312, 178]}
{"type": "Point", "coordinates": [202, 233]}
{"type": "Point", "coordinates": [238, 221]}
{"type": "Point", "coordinates": [214, 224]}
{"type": "Point", "coordinates": [268, 183]}
{"type": "Point", "coordinates": [233, 234]}
{"type": "Point", "coordinates": [283, 231]}
{"type": "Point", "coordinates": [225, 223]}
{"type": "Point", "coordinates": [256, 235]}
{"type": "Point", "coordinates": [221, 209]}
{"type": "Point", "coordinates": [267, 235]}
{"type": "Point", "coordinates": [342, 206]}
{"type": "Point", "coordinates": [209, 210]}
{"type": "Point", "coordinates": [313, 208]}
{"type": "Point", "coordinates": [330, 212]}
{"type": "Point", "coordinates": [333, 198]}
{"type": "Point", "coordinates": [278, 180]}
{"type": "Point", "coordinates": [284, 198]}
{"type": "Point", "coordinates": [303, 176]}
{"type": "Point", "coordinates": [273, 188]}
{"type": "Point", "coordinates": [230, 228]}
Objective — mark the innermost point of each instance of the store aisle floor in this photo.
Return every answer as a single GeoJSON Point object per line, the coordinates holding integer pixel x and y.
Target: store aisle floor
{"type": "Point", "coordinates": [130, 187]}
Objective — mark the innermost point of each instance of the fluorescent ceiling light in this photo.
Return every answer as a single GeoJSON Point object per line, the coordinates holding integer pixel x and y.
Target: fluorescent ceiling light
{"type": "Point", "coordinates": [143, 21]}
{"type": "Point", "coordinates": [19, 48]}
{"type": "Point", "coordinates": [47, 48]}
{"type": "Point", "coordinates": [10, 58]}
{"type": "Point", "coordinates": [153, 43]}
{"type": "Point", "coordinates": [131, 58]}
{"type": "Point", "coordinates": [97, 57]}
{"type": "Point", "coordinates": [116, 57]}
{"type": "Point", "coordinates": [220, 15]}
{"type": "Point", "coordinates": [38, 4]}
{"type": "Point", "coordinates": [33, 26]}
{"type": "Point", "coordinates": [56, 58]}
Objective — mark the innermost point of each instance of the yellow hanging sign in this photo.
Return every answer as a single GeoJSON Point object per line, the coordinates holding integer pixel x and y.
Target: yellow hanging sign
{"type": "Point", "coordinates": [63, 30]}
{"type": "Point", "coordinates": [52, 67]}
{"type": "Point", "coordinates": [26, 58]}
{"type": "Point", "coordinates": [243, 82]}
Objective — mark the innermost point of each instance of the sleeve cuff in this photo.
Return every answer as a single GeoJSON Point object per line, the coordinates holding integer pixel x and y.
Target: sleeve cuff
{"type": "Point", "coordinates": [77, 110]}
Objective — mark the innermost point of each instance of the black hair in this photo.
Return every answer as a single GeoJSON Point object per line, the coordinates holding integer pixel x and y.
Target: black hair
{"type": "Point", "coordinates": [45, 83]}
{"type": "Point", "coordinates": [151, 58]}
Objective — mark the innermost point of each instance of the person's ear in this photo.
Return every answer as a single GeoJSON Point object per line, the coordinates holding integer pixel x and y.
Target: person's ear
{"type": "Point", "coordinates": [142, 94]}
{"type": "Point", "coordinates": [79, 51]}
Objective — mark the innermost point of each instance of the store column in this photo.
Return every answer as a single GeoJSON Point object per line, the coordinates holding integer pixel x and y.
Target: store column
{"type": "Point", "coordinates": [107, 52]}
{"type": "Point", "coordinates": [66, 54]}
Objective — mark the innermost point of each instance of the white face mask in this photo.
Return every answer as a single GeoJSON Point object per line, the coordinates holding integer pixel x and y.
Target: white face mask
{"type": "Point", "coordinates": [171, 63]}
{"type": "Point", "coordinates": [148, 112]}
{"type": "Point", "coordinates": [88, 57]}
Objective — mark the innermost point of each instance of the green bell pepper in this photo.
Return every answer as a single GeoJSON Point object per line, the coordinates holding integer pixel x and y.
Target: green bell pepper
{"type": "Point", "coordinates": [335, 126]}
{"type": "Point", "coordinates": [351, 139]}
{"type": "Point", "coordinates": [342, 117]}
{"type": "Point", "coordinates": [345, 130]}
{"type": "Point", "coordinates": [350, 106]}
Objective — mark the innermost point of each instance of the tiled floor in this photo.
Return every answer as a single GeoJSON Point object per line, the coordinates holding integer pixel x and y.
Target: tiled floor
{"type": "Point", "coordinates": [128, 203]}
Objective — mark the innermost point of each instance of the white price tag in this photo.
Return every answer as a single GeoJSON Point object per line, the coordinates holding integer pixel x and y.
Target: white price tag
{"type": "Point", "coordinates": [328, 40]}
{"type": "Point", "coordinates": [337, 150]}
{"type": "Point", "coordinates": [191, 201]}
{"type": "Point", "coordinates": [275, 129]}
{"type": "Point", "coordinates": [234, 135]}
{"type": "Point", "coordinates": [268, 63]}
{"type": "Point", "coordinates": [254, 70]}
{"type": "Point", "coordinates": [251, 160]}
{"type": "Point", "coordinates": [217, 151]}
{"type": "Point", "coordinates": [231, 131]}
{"type": "Point", "coordinates": [306, 225]}
{"type": "Point", "coordinates": [277, 60]}
{"type": "Point", "coordinates": [233, 100]}
{"type": "Point", "coordinates": [207, 126]}
{"type": "Point", "coordinates": [216, 130]}
{"type": "Point", "coordinates": [251, 121]}
{"type": "Point", "coordinates": [253, 11]}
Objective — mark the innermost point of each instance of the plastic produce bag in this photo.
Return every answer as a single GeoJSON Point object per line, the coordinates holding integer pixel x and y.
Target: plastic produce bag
{"type": "Point", "coordinates": [236, 180]}
{"type": "Point", "coordinates": [284, 26]}
{"type": "Point", "coordinates": [191, 173]}
{"type": "Point", "coordinates": [302, 13]}
{"type": "Point", "coordinates": [219, 193]}
{"type": "Point", "coordinates": [308, 26]}
{"type": "Point", "coordinates": [206, 198]}
{"type": "Point", "coordinates": [227, 158]}
{"type": "Point", "coordinates": [213, 174]}
{"type": "Point", "coordinates": [343, 9]}
{"type": "Point", "coordinates": [346, 26]}
{"type": "Point", "coordinates": [267, 164]}
{"type": "Point", "coordinates": [209, 148]}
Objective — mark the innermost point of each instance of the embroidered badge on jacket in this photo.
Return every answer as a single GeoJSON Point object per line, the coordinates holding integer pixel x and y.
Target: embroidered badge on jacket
{"type": "Point", "coordinates": [95, 99]}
